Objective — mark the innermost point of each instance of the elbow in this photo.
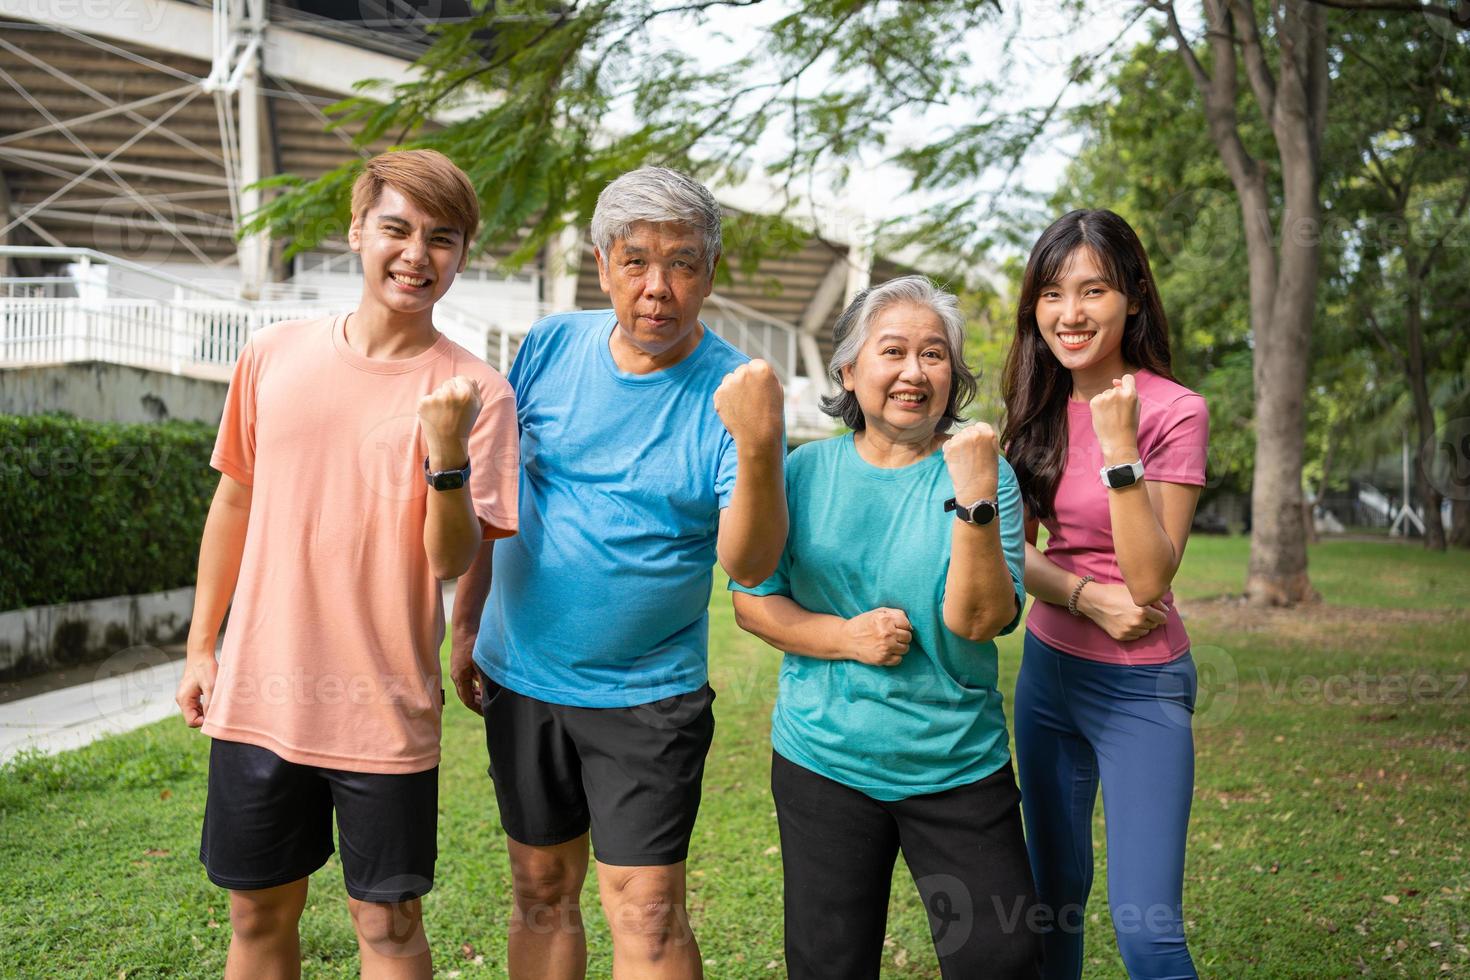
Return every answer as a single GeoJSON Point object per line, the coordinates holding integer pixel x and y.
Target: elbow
{"type": "Point", "coordinates": [1148, 593]}
{"type": "Point", "coordinates": [979, 628]}
{"type": "Point", "coordinates": [750, 574]}
{"type": "Point", "coordinates": [447, 568]}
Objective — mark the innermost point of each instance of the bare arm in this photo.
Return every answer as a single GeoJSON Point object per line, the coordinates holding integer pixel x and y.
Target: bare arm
{"type": "Point", "coordinates": [879, 637]}
{"type": "Point", "coordinates": [451, 530]}
{"type": "Point", "coordinates": [1150, 520]}
{"type": "Point", "coordinates": [1109, 606]}
{"type": "Point", "coordinates": [220, 552]}
{"type": "Point", "coordinates": [979, 597]}
{"type": "Point", "coordinates": [753, 527]}
{"type": "Point", "coordinates": [469, 606]}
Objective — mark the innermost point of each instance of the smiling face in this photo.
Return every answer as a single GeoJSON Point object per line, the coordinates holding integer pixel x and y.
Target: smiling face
{"type": "Point", "coordinates": [1081, 317]}
{"type": "Point", "coordinates": [902, 373]}
{"type": "Point", "coordinates": [657, 279]}
{"type": "Point", "coordinates": [409, 257]}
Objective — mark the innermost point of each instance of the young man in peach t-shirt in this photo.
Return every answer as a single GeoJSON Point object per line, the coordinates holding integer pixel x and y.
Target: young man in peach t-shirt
{"type": "Point", "coordinates": [364, 459]}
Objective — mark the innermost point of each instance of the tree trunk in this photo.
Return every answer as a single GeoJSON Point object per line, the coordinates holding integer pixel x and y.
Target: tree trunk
{"type": "Point", "coordinates": [1460, 522]}
{"type": "Point", "coordinates": [1414, 367]}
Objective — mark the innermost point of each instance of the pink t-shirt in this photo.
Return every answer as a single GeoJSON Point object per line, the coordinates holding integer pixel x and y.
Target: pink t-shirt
{"type": "Point", "coordinates": [331, 656]}
{"type": "Point", "coordinates": [1173, 436]}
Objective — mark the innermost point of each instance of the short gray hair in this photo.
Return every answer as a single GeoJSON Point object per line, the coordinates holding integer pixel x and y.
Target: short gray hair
{"type": "Point", "coordinates": [658, 195]}
{"type": "Point", "coordinates": [851, 332]}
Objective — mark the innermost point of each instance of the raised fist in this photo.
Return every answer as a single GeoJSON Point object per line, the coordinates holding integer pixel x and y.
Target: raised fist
{"type": "Point", "coordinates": [972, 455]}
{"type": "Point", "coordinates": [879, 637]}
{"type": "Point", "coordinates": [1115, 419]}
{"type": "Point", "coordinates": [447, 414]}
{"type": "Point", "coordinates": [749, 401]}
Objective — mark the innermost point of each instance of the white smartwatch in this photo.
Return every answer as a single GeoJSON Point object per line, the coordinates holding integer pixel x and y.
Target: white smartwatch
{"type": "Point", "coordinates": [1122, 475]}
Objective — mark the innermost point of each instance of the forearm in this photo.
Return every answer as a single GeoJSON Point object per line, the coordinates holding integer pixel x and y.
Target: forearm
{"type": "Point", "coordinates": [787, 626]}
{"type": "Point", "coordinates": [1046, 580]}
{"type": "Point", "coordinates": [753, 527]}
{"type": "Point", "coordinates": [451, 530]}
{"type": "Point", "coordinates": [1146, 556]}
{"type": "Point", "coordinates": [469, 595]}
{"type": "Point", "coordinates": [979, 597]}
{"type": "Point", "coordinates": [220, 553]}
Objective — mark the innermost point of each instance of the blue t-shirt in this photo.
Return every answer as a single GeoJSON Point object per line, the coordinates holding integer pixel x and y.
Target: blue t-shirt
{"type": "Point", "coordinates": [601, 600]}
{"type": "Point", "coordinates": [863, 537]}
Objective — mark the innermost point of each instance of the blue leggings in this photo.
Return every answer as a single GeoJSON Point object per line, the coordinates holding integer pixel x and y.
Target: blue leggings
{"type": "Point", "coordinates": [1080, 721]}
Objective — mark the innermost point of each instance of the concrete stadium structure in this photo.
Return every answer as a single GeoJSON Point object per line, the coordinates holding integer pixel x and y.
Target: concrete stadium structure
{"type": "Point", "coordinates": [132, 131]}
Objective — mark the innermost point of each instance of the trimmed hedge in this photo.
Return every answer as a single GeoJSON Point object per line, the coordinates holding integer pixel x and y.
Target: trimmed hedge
{"type": "Point", "coordinates": [96, 509]}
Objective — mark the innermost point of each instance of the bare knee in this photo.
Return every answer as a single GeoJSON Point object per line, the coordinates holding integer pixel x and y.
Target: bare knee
{"type": "Point", "coordinates": [265, 914]}
{"type": "Point", "coordinates": [390, 928]}
{"type": "Point", "coordinates": [650, 918]}
{"type": "Point", "coordinates": [540, 880]}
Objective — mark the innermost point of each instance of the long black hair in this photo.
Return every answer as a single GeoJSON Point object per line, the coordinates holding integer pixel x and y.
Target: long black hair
{"type": "Point", "coordinates": [1033, 383]}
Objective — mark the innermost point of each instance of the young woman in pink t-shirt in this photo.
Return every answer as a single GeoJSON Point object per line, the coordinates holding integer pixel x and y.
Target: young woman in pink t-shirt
{"type": "Point", "coordinates": [1109, 452]}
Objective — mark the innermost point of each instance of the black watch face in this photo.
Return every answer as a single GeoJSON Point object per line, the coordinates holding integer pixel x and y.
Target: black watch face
{"type": "Point", "coordinates": [983, 513]}
{"type": "Point", "coordinates": [1120, 477]}
{"type": "Point", "coordinates": [452, 480]}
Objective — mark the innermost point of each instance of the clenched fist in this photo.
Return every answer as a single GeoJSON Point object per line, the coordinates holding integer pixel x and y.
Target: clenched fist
{"type": "Point", "coordinates": [749, 401]}
{"type": "Point", "coordinates": [446, 416]}
{"type": "Point", "coordinates": [972, 457]}
{"type": "Point", "coordinates": [879, 637]}
{"type": "Point", "coordinates": [1115, 420]}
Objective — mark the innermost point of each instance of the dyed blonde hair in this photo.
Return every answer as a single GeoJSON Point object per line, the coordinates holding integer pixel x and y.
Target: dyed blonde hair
{"type": "Point", "coordinates": [429, 179]}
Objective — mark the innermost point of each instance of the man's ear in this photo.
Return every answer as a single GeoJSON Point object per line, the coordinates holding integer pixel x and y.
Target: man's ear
{"type": "Point", "coordinates": [464, 257]}
{"type": "Point", "coordinates": [603, 279]}
{"type": "Point", "coordinates": [354, 233]}
{"type": "Point", "coordinates": [709, 285]}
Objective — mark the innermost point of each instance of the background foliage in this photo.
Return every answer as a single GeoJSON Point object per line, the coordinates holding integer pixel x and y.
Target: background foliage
{"type": "Point", "coordinates": [95, 509]}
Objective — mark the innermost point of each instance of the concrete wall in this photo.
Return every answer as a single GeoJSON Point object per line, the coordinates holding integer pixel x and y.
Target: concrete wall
{"type": "Point", "coordinates": [110, 393]}
{"type": "Point", "coordinates": [43, 637]}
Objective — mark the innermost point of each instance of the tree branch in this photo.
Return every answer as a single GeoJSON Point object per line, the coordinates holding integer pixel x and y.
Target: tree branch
{"type": "Point", "coordinates": [1384, 339]}
{"type": "Point", "coordinates": [1256, 68]}
{"type": "Point", "coordinates": [1405, 6]}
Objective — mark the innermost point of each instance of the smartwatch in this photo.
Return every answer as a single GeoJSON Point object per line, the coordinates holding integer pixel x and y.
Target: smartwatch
{"type": "Point", "coordinates": [980, 513]}
{"type": "Point", "coordinates": [1122, 475]}
{"type": "Point", "coordinates": [446, 479]}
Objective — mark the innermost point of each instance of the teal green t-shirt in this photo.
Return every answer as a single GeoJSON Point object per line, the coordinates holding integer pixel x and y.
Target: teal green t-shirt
{"type": "Point", "coordinates": [863, 537]}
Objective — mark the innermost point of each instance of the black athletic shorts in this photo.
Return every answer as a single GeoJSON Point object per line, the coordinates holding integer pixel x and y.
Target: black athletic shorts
{"type": "Point", "coordinates": [630, 775]}
{"type": "Point", "coordinates": [268, 822]}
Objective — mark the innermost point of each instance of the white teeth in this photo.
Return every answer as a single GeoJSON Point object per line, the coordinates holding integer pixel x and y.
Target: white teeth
{"type": "Point", "coordinates": [1074, 338]}
{"type": "Point", "coordinates": [409, 280]}
{"type": "Point", "coordinates": [914, 399]}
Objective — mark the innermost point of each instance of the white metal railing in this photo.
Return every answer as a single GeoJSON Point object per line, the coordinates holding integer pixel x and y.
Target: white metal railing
{"type": "Point", "coordinates": [193, 327]}
{"type": "Point", "coordinates": [197, 326]}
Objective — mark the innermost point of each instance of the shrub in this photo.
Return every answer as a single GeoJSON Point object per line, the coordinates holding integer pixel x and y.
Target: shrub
{"type": "Point", "coordinates": [94, 509]}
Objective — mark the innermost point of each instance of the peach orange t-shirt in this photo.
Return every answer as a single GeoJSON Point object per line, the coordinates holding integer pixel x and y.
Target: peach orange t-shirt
{"type": "Point", "coordinates": [331, 655]}
{"type": "Point", "coordinates": [1173, 438]}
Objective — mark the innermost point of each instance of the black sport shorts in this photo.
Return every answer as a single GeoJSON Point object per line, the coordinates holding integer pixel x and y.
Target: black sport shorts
{"type": "Point", "coordinates": [268, 822]}
{"type": "Point", "coordinates": [630, 775]}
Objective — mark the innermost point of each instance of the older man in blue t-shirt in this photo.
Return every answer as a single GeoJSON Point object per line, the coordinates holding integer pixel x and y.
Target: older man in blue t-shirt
{"type": "Point", "coordinates": [650, 447]}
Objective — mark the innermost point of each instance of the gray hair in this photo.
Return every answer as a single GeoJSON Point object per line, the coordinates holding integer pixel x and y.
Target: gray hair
{"type": "Point", "coordinates": [851, 332]}
{"type": "Point", "coordinates": [658, 195]}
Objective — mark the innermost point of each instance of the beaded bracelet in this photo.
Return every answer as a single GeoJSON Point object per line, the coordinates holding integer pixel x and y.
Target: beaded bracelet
{"type": "Point", "coordinates": [1076, 592]}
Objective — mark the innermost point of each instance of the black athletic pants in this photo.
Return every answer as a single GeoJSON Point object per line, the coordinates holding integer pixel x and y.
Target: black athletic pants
{"type": "Point", "coordinates": [964, 848]}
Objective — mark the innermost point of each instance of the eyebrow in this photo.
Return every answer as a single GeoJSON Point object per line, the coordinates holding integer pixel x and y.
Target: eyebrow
{"type": "Point", "coordinates": [931, 339]}
{"type": "Point", "coordinates": [629, 250]}
{"type": "Point", "coordinates": [395, 219]}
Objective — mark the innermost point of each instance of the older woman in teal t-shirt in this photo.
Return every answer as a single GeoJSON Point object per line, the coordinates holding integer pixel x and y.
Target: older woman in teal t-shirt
{"type": "Point", "coordinates": [904, 560]}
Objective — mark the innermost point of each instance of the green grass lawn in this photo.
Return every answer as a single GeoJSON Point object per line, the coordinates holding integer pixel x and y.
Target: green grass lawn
{"type": "Point", "coordinates": [1328, 837]}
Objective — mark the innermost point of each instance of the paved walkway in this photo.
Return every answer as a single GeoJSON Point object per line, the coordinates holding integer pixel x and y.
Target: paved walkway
{"type": "Point", "coordinates": [129, 690]}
